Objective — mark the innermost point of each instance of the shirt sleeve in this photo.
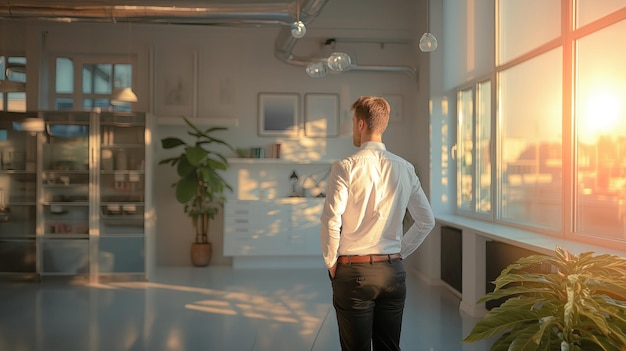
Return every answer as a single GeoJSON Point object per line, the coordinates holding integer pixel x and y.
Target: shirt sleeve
{"type": "Point", "coordinates": [334, 207]}
{"type": "Point", "coordinates": [424, 220]}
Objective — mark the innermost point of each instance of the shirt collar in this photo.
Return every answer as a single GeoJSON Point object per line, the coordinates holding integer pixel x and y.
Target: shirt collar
{"type": "Point", "coordinates": [373, 145]}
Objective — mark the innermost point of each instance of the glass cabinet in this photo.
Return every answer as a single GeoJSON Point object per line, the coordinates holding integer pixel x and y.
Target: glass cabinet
{"type": "Point", "coordinates": [18, 197]}
{"type": "Point", "coordinates": [65, 195]}
{"type": "Point", "coordinates": [121, 180]}
{"type": "Point", "coordinates": [73, 197]}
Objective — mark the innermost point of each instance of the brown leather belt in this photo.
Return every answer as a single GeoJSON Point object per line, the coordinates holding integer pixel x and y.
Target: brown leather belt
{"type": "Point", "coordinates": [368, 258]}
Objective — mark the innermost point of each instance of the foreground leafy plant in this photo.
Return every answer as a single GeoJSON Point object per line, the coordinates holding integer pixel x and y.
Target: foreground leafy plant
{"type": "Point", "coordinates": [580, 305]}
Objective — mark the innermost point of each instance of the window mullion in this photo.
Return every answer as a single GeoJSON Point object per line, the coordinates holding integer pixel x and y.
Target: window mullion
{"type": "Point", "coordinates": [568, 145]}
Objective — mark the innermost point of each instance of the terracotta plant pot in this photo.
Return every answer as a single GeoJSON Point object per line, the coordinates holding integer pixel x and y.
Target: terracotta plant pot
{"type": "Point", "coordinates": [201, 254]}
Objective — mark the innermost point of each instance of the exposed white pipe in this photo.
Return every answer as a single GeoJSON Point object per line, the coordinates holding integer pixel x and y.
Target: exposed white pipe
{"type": "Point", "coordinates": [195, 12]}
{"type": "Point", "coordinates": [148, 11]}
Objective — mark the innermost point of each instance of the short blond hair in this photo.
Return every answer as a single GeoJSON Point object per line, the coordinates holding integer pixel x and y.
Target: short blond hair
{"type": "Point", "coordinates": [374, 111]}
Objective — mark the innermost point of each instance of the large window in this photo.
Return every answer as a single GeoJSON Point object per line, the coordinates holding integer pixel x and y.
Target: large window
{"type": "Point", "coordinates": [591, 10]}
{"type": "Point", "coordinates": [601, 133]}
{"type": "Point", "coordinates": [530, 125]}
{"type": "Point", "coordinates": [526, 25]}
{"type": "Point", "coordinates": [483, 145]}
{"type": "Point", "coordinates": [465, 149]}
{"type": "Point", "coordinates": [13, 87]}
{"type": "Point", "coordinates": [85, 83]}
{"type": "Point", "coordinates": [559, 125]}
{"type": "Point", "coordinates": [474, 149]}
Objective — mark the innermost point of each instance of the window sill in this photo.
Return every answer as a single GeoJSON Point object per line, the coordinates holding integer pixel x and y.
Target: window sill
{"type": "Point", "coordinates": [519, 237]}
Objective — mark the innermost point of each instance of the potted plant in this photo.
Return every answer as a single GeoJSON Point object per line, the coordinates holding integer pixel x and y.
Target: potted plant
{"type": "Point", "coordinates": [200, 187]}
{"type": "Point", "coordinates": [578, 304]}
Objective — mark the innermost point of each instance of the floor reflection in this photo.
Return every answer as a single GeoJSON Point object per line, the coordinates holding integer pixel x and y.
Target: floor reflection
{"type": "Point", "coordinates": [214, 308]}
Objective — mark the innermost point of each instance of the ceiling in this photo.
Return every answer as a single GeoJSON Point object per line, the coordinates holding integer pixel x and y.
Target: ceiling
{"type": "Point", "coordinates": [280, 13]}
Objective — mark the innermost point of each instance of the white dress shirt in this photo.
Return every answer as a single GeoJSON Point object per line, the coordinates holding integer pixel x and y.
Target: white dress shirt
{"type": "Point", "coordinates": [367, 197]}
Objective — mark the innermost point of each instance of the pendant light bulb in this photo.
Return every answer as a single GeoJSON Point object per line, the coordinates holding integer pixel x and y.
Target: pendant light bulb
{"type": "Point", "coordinates": [428, 42]}
{"type": "Point", "coordinates": [298, 29]}
{"type": "Point", "coordinates": [316, 70]}
{"type": "Point", "coordinates": [339, 61]}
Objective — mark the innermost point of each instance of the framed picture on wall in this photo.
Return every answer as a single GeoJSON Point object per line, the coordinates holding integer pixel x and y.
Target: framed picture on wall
{"type": "Point", "coordinates": [278, 114]}
{"type": "Point", "coordinates": [321, 115]}
{"type": "Point", "coordinates": [176, 91]}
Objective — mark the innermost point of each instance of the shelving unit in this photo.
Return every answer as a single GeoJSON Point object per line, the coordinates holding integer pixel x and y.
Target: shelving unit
{"type": "Point", "coordinates": [18, 199]}
{"type": "Point", "coordinates": [84, 208]}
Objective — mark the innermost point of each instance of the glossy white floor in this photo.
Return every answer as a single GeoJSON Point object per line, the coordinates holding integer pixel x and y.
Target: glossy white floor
{"type": "Point", "coordinates": [214, 308]}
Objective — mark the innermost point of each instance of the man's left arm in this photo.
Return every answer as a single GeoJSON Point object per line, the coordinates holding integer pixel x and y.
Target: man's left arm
{"type": "Point", "coordinates": [424, 221]}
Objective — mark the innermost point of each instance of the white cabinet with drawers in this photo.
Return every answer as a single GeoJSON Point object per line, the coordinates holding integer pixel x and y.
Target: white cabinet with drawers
{"type": "Point", "coordinates": [272, 228]}
{"type": "Point", "coordinates": [263, 226]}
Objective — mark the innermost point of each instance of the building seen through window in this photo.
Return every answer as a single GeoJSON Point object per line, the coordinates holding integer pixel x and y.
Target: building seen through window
{"type": "Point", "coordinates": [560, 133]}
{"type": "Point", "coordinates": [13, 89]}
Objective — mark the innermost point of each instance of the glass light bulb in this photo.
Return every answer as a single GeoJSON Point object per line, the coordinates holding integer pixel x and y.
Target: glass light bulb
{"type": "Point", "coordinates": [316, 70]}
{"type": "Point", "coordinates": [339, 61]}
{"type": "Point", "coordinates": [298, 29]}
{"type": "Point", "coordinates": [428, 42]}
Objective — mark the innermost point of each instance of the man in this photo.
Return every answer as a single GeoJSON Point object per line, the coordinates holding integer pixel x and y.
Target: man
{"type": "Point", "coordinates": [362, 236]}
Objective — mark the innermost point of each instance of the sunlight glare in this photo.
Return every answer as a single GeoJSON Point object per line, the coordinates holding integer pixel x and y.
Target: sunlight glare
{"type": "Point", "coordinates": [601, 113]}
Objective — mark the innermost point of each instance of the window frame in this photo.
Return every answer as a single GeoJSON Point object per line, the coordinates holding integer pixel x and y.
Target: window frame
{"type": "Point", "coordinates": [4, 96]}
{"type": "Point", "coordinates": [78, 60]}
{"type": "Point", "coordinates": [474, 85]}
{"type": "Point", "coordinates": [568, 44]}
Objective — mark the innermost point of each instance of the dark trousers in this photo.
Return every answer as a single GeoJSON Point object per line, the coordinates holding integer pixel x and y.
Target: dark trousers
{"type": "Point", "coordinates": [369, 301]}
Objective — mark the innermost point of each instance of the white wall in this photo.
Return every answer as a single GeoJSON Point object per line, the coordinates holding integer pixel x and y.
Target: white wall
{"type": "Point", "coordinates": [233, 66]}
{"type": "Point", "coordinates": [466, 34]}
{"type": "Point", "coordinates": [239, 73]}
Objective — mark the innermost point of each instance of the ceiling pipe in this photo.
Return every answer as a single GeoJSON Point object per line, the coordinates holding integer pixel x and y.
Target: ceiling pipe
{"type": "Point", "coordinates": [284, 52]}
{"type": "Point", "coordinates": [188, 12]}
{"type": "Point", "coordinates": [148, 11]}
{"type": "Point", "coordinates": [285, 43]}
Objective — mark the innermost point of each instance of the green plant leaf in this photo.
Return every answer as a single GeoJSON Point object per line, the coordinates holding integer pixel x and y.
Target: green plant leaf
{"type": "Point", "coordinates": [217, 164]}
{"type": "Point", "coordinates": [537, 292]}
{"type": "Point", "coordinates": [538, 279]}
{"type": "Point", "coordinates": [599, 322]}
{"type": "Point", "coordinates": [526, 339]}
{"type": "Point", "coordinates": [209, 139]}
{"type": "Point", "coordinates": [172, 161]}
{"type": "Point", "coordinates": [195, 131]}
{"type": "Point", "coordinates": [608, 286]}
{"type": "Point", "coordinates": [547, 337]}
{"type": "Point", "coordinates": [618, 334]}
{"type": "Point", "coordinates": [593, 342]}
{"type": "Point", "coordinates": [195, 155]}
{"type": "Point", "coordinates": [186, 187]}
{"type": "Point", "coordinates": [530, 264]}
{"type": "Point", "coordinates": [171, 142]}
{"type": "Point", "coordinates": [184, 167]}
{"type": "Point", "coordinates": [499, 320]}
{"type": "Point", "coordinates": [503, 342]}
